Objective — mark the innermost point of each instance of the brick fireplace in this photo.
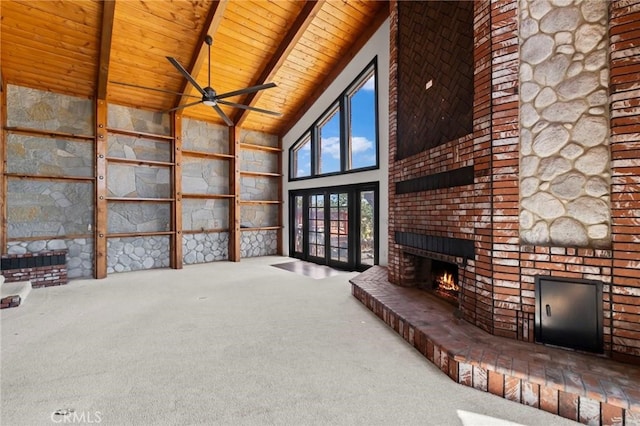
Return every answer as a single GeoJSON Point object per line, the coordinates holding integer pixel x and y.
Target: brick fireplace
{"type": "Point", "coordinates": [513, 195]}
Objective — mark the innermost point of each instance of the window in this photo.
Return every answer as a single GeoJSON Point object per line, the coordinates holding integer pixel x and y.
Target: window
{"type": "Point", "coordinates": [345, 137]}
{"type": "Point", "coordinates": [329, 138]}
{"type": "Point", "coordinates": [362, 123]}
{"type": "Point", "coordinates": [301, 158]}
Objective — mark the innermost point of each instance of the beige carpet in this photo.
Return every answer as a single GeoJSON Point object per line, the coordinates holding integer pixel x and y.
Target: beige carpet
{"type": "Point", "coordinates": [223, 344]}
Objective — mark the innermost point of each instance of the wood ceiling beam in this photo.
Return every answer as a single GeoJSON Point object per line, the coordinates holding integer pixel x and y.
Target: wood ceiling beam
{"type": "Point", "coordinates": [210, 27]}
{"type": "Point", "coordinates": [288, 43]}
{"type": "Point", "coordinates": [376, 22]}
{"type": "Point", "coordinates": [108, 12]}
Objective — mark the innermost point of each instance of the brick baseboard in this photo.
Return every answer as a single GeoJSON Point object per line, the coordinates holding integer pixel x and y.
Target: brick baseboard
{"type": "Point", "coordinates": [39, 268]}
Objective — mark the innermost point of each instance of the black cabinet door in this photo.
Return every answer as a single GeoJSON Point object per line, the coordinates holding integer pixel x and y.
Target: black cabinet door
{"type": "Point", "coordinates": [569, 313]}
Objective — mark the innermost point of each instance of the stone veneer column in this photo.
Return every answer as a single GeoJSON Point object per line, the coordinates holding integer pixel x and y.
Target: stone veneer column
{"type": "Point", "coordinates": [564, 124]}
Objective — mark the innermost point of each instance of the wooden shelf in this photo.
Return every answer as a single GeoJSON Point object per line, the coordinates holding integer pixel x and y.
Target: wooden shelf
{"type": "Point", "coordinates": [53, 237]}
{"type": "Point", "coordinates": [206, 231]}
{"type": "Point", "coordinates": [139, 234]}
{"type": "Point", "coordinates": [260, 147]}
{"type": "Point", "coordinates": [142, 135]}
{"type": "Point", "coordinates": [265, 174]}
{"type": "Point", "coordinates": [139, 162]}
{"type": "Point", "coordinates": [147, 200]}
{"type": "Point", "coordinates": [54, 178]}
{"type": "Point", "coordinates": [200, 154]}
{"type": "Point", "coordinates": [257, 202]}
{"type": "Point", "coordinates": [261, 228]}
{"type": "Point", "coordinates": [208, 196]}
{"type": "Point", "coordinates": [49, 133]}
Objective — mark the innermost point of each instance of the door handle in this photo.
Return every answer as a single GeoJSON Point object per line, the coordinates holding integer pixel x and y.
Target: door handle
{"type": "Point", "coordinates": [548, 310]}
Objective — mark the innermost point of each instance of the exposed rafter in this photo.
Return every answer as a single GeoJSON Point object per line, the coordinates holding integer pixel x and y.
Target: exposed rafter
{"type": "Point", "coordinates": [108, 9]}
{"type": "Point", "coordinates": [287, 44]}
{"type": "Point", "coordinates": [214, 18]}
{"type": "Point", "coordinates": [380, 17]}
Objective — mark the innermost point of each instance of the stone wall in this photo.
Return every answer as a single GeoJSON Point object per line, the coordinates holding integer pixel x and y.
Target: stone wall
{"type": "Point", "coordinates": [125, 118]}
{"type": "Point", "coordinates": [205, 176]}
{"type": "Point", "coordinates": [258, 188]}
{"type": "Point", "coordinates": [205, 247]}
{"type": "Point", "coordinates": [204, 137]}
{"type": "Point", "coordinates": [36, 155]}
{"type": "Point", "coordinates": [204, 214]}
{"type": "Point", "coordinates": [258, 243]}
{"type": "Point", "coordinates": [37, 109]}
{"type": "Point", "coordinates": [137, 148]}
{"type": "Point", "coordinates": [565, 167]}
{"type": "Point", "coordinates": [258, 161]}
{"type": "Point", "coordinates": [258, 138]}
{"type": "Point", "coordinates": [134, 217]}
{"type": "Point", "coordinates": [254, 216]}
{"type": "Point", "coordinates": [136, 253]}
{"type": "Point", "coordinates": [40, 208]}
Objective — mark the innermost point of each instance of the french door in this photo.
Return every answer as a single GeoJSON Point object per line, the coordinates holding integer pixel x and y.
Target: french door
{"type": "Point", "coordinates": [335, 226]}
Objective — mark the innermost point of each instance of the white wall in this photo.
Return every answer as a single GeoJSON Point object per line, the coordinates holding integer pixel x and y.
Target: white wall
{"type": "Point", "coordinates": [378, 46]}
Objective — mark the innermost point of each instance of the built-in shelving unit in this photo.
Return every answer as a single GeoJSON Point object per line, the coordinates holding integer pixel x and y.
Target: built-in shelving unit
{"type": "Point", "coordinates": [140, 162]}
{"type": "Point", "coordinates": [105, 201]}
{"type": "Point", "coordinates": [274, 174]}
{"type": "Point", "coordinates": [51, 134]}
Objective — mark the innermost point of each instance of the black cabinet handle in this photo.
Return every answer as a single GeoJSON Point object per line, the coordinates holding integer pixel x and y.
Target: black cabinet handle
{"type": "Point", "coordinates": [548, 310]}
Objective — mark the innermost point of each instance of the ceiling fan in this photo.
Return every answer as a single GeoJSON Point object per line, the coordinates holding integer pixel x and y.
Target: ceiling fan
{"type": "Point", "coordinates": [209, 96]}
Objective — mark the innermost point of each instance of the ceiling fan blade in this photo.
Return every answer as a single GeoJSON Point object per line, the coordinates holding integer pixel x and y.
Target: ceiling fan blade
{"type": "Point", "coordinates": [151, 88]}
{"type": "Point", "coordinates": [250, 108]}
{"type": "Point", "coordinates": [224, 116]}
{"type": "Point", "coordinates": [247, 90]}
{"type": "Point", "coordinates": [182, 106]}
{"type": "Point", "coordinates": [186, 74]}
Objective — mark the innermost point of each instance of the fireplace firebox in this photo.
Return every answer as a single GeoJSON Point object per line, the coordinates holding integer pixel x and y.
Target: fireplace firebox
{"type": "Point", "coordinates": [439, 278]}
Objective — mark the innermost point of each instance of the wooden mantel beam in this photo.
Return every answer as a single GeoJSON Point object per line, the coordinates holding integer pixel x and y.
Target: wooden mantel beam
{"type": "Point", "coordinates": [210, 27]}
{"type": "Point", "coordinates": [304, 18]}
{"type": "Point", "coordinates": [108, 11]}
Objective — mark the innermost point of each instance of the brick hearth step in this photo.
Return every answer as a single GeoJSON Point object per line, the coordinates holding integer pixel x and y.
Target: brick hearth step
{"type": "Point", "coordinates": [13, 294]}
{"type": "Point", "coordinates": [587, 388]}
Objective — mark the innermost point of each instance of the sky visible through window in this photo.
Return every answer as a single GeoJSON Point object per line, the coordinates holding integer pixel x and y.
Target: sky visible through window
{"type": "Point", "coordinates": [363, 126]}
{"type": "Point", "coordinates": [363, 136]}
{"type": "Point", "coordinates": [303, 155]}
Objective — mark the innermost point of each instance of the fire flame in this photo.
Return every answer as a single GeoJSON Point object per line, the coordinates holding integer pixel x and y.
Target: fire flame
{"type": "Point", "coordinates": [446, 282]}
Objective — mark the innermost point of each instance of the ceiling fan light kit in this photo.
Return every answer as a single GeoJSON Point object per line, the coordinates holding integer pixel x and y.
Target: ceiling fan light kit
{"type": "Point", "coordinates": [209, 95]}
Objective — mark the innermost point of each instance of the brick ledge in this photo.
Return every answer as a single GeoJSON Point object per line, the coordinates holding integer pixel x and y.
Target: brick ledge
{"type": "Point", "coordinates": [581, 387]}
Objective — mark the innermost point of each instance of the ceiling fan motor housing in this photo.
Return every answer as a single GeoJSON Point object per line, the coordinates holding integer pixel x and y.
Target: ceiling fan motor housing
{"type": "Point", "coordinates": [209, 96]}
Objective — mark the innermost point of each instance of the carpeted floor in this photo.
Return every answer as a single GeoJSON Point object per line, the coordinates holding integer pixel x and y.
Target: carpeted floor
{"type": "Point", "coordinates": [223, 344]}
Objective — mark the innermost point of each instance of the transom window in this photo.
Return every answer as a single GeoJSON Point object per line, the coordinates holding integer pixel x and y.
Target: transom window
{"type": "Point", "coordinates": [345, 137]}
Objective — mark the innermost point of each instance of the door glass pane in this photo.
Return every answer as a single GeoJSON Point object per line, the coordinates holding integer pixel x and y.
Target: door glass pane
{"type": "Point", "coordinates": [329, 135]}
{"type": "Point", "coordinates": [316, 225]}
{"type": "Point", "coordinates": [298, 224]}
{"type": "Point", "coordinates": [367, 228]}
{"type": "Point", "coordinates": [339, 227]}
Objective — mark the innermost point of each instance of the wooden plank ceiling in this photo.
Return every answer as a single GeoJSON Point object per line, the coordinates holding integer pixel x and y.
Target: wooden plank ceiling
{"type": "Point", "coordinates": [81, 47]}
